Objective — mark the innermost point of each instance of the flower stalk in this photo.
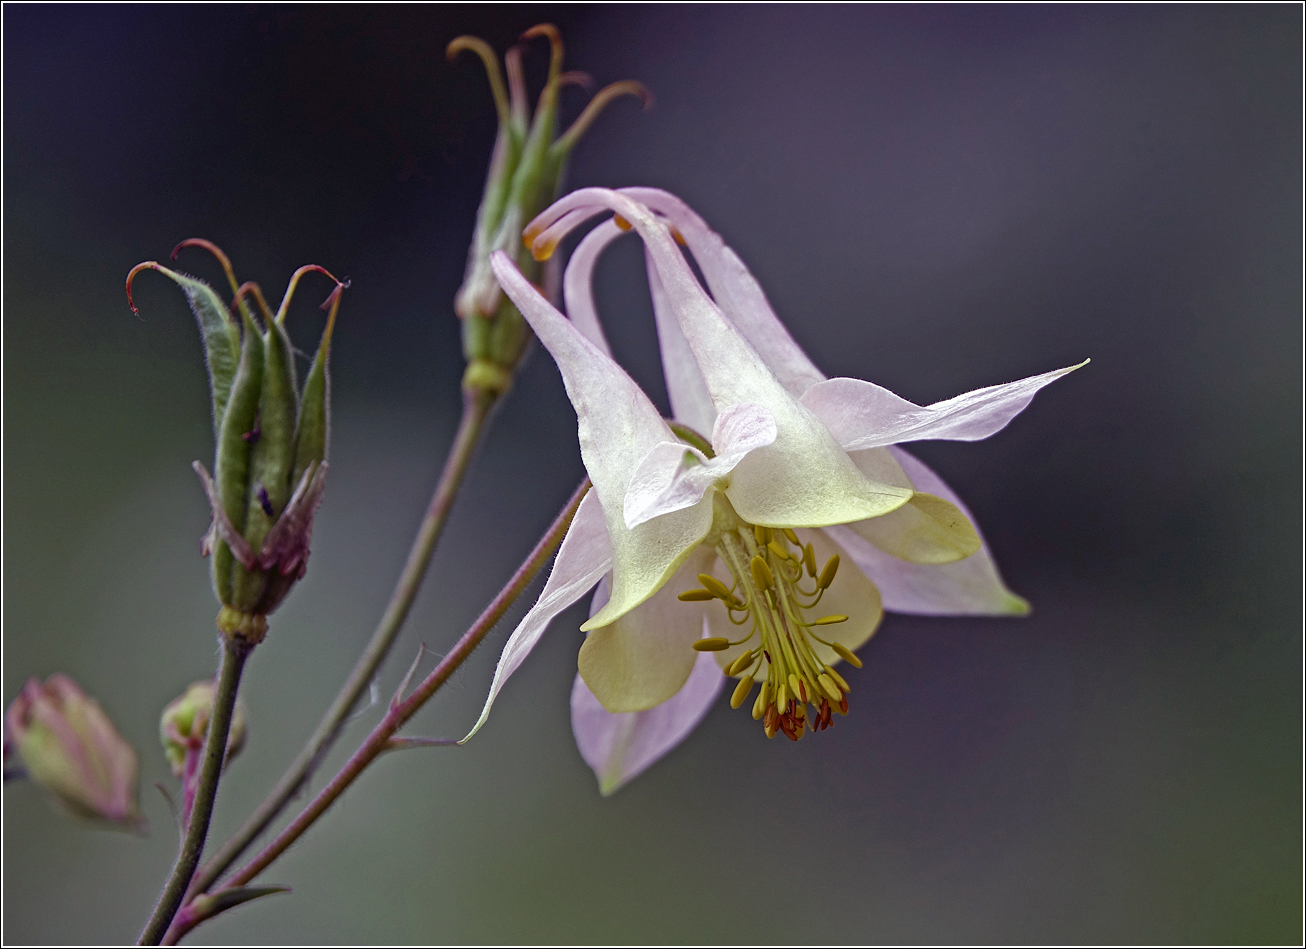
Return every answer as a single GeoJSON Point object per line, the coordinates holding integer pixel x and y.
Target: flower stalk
{"type": "Point", "coordinates": [477, 406]}
{"type": "Point", "coordinates": [235, 650]}
{"type": "Point", "coordinates": [382, 737]}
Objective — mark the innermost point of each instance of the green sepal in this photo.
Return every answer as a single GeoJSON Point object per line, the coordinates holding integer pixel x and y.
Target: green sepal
{"type": "Point", "coordinates": [271, 459]}
{"type": "Point", "coordinates": [231, 465]}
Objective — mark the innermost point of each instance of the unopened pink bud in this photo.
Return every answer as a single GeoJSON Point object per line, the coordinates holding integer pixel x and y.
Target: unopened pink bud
{"type": "Point", "coordinates": [69, 746]}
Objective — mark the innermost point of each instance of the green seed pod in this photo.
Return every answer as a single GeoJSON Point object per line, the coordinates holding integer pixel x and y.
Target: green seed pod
{"type": "Point", "coordinates": [231, 466]}
{"type": "Point", "coordinates": [270, 465]}
{"type": "Point", "coordinates": [525, 175]}
{"type": "Point", "coordinates": [271, 458]}
{"type": "Point", "coordinates": [313, 431]}
{"type": "Point", "coordinates": [220, 333]}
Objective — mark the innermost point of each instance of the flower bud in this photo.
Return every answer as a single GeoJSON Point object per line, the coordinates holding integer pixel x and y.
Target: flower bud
{"type": "Point", "coordinates": [525, 175]}
{"type": "Point", "coordinates": [184, 726]}
{"type": "Point", "coordinates": [69, 746]}
{"type": "Point", "coordinates": [270, 463]}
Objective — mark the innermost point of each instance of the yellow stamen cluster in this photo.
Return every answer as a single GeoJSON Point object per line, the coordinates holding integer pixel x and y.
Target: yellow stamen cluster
{"type": "Point", "coordinates": [770, 569]}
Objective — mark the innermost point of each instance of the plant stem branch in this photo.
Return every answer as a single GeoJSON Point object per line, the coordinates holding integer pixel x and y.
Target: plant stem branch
{"type": "Point", "coordinates": [401, 711]}
{"type": "Point", "coordinates": [477, 405]}
{"type": "Point", "coordinates": [235, 651]}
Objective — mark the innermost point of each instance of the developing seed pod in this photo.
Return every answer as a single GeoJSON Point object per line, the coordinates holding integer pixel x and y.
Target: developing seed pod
{"type": "Point", "coordinates": [219, 332]}
{"type": "Point", "coordinates": [525, 175]}
{"type": "Point", "coordinates": [270, 461]}
{"type": "Point", "coordinates": [231, 464]}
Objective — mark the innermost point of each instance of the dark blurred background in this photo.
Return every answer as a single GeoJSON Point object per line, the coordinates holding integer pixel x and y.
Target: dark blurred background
{"type": "Point", "coordinates": [935, 198]}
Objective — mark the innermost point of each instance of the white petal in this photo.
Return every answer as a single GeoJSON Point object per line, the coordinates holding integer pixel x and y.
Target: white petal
{"type": "Point", "coordinates": [618, 746]}
{"type": "Point", "coordinates": [864, 415]}
{"type": "Point", "coordinates": [803, 478]}
{"type": "Point", "coordinates": [577, 283]}
{"type": "Point", "coordinates": [968, 587]}
{"type": "Point", "coordinates": [643, 657]}
{"type": "Point", "coordinates": [618, 426]}
{"type": "Point", "coordinates": [583, 559]}
{"type": "Point", "coordinates": [673, 476]}
{"type": "Point", "coordinates": [691, 403]}
{"type": "Point", "coordinates": [736, 291]}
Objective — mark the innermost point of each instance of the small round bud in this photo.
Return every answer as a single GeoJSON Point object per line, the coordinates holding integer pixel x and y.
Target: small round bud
{"type": "Point", "coordinates": [184, 726]}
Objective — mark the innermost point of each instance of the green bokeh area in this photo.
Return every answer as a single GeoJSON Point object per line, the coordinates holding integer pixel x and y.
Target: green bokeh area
{"type": "Point", "coordinates": [935, 199]}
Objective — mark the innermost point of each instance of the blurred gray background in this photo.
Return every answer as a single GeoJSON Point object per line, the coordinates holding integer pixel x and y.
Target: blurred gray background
{"type": "Point", "coordinates": [935, 198]}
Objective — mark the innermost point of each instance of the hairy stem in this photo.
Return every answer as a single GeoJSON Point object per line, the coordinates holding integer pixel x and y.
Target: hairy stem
{"type": "Point", "coordinates": [477, 405]}
{"type": "Point", "coordinates": [235, 651]}
{"type": "Point", "coordinates": [402, 710]}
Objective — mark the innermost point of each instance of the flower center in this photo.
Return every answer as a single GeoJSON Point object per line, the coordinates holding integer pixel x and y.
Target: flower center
{"type": "Point", "coordinates": [776, 584]}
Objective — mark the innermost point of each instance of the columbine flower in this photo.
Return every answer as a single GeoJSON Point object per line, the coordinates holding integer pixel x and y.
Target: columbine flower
{"type": "Point", "coordinates": [69, 746]}
{"type": "Point", "coordinates": [526, 171]}
{"type": "Point", "coordinates": [762, 550]}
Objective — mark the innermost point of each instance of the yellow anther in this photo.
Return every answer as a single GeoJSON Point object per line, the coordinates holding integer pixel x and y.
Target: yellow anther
{"type": "Point", "coordinates": [846, 655]}
{"type": "Point", "coordinates": [772, 728]}
{"type": "Point", "coordinates": [794, 686]}
{"type": "Point", "coordinates": [741, 691]}
{"type": "Point", "coordinates": [762, 573]}
{"type": "Point", "coordinates": [829, 688]}
{"type": "Point", "coordinates": [741, 663]}
{"type": "Point", "coordinates": [809, 561]}
{"type": "Point", "coordinates": [714, 586]}
{"type": "Point", "coordinates": [762, 535]}
{"type": "Point", "coordinates": [827, 574]}
{"type": "Point", "coordinates": [838, 680]}
{"type": "Point", "coordinates": [691, 595]}
{"type": "Point", "coordinates": [800, 712]}
{"type": "Point", "coordinates": [763, 700]}
{"type": "Point", "coordinates": [793, 538]}
{"type": "Point", "coordinates": [823, 621]}
{"type": "Point", "coordinates": [782, 696]}
{"type": "Point", "coordinates": [712, 644]}
{"type": "Point", "coordinates": [621, 222]}
{"type": "Point", "coordinates": [779, 551]}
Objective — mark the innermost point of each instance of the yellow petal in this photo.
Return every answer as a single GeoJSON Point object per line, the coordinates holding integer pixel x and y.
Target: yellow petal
{"type": "Point", "coordinates": [927, 529]}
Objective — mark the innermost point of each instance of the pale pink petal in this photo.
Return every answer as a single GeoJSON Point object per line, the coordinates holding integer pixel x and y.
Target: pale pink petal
{"type": "Point", "coordinates": [583, 559]}
{"type": "Point", "coordinates": [966, 587]}
{"type": "Point", "coordinates": [674, 476]}
{"type": "Point", "coordinates": [578, 283]}
{"type": "Point", "coordinates": [618, 746]}
{"type": "Point", "coordinates": [618, 425]}
{"type": "Point", "coordinates": [736, 291]}
{"type": "Point", "coordinates": [863, 415]}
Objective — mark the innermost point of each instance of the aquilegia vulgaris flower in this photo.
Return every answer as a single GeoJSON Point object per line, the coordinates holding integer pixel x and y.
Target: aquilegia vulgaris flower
{"type": "Point", "coordinates": [758, 531]}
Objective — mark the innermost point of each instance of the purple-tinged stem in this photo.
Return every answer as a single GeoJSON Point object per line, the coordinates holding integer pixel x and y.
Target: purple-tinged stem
{"type": "Point", "coordinates": [381, 738]}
